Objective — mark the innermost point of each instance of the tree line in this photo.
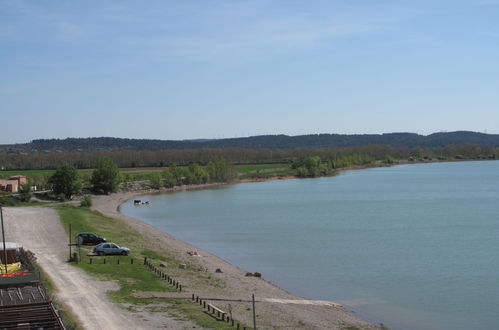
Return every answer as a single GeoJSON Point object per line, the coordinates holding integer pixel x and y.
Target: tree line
{"type": "Point", "coordinates": [409, 140]}
{"type": "Point", "coordinates": [163, 158]}
{"type": "Point", "coordinates": [66, 181]}
{"type": "Point", "coordinates": [106, 177]}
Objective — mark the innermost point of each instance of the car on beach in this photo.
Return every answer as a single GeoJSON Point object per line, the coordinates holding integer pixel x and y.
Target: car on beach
{"type": "Point", "coordinates": [110, 248]}
{"type": "Point", "coordinates": [89, 238]}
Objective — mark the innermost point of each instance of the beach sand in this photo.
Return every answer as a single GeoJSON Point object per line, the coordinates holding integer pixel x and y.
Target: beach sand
{"type": "Point", "coordinates": [275, 308]}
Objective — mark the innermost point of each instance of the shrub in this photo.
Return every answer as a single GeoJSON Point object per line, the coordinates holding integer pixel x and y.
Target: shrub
{"type": "Point", "coordinates": [86, 201]}
{"type": "Point", "coordinates": [25, 193]}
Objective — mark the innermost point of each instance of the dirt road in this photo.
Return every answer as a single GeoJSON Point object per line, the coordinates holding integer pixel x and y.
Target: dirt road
{"type": "Point", "coordinates": [39, 230]}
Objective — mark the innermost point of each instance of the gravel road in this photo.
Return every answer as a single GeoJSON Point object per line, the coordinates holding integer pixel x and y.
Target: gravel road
{"type": "Point", "coordinates": [39, 230]}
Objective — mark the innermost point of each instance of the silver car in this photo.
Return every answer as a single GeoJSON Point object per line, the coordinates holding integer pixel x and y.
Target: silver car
{"type": "Point", "coordinates": [111, 248]}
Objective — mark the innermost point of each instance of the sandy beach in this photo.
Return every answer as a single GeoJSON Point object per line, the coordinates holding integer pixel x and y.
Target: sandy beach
{"type": "Point", "coordinates": [275, 307]}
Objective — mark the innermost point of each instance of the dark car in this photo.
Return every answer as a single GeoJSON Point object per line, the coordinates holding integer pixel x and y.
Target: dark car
{"type": "Point", "coordinates": [111, 248]}
{"type": "Point", "coordinates": [89, 238]}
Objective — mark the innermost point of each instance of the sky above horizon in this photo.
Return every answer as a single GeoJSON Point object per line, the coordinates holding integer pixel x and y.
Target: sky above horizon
{"type": "Point", "coordinates": [218, 69]}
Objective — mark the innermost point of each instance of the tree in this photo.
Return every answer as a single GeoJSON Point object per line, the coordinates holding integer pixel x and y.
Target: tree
{"type": "Point", "coordinates": [155, 180]}
{"type": "Point", "coordinates": [197, 174]}
{"type": "Point", "coordinates": [106, 177]}
{"type": "Point", "coordinates": [308, 167]}
{"type": "Point", "coordinates": [179, 174]}
{"type": "Point", "coordinates": [169, 179]}
{"type": "Point", "coordinates": [25, 193]}
{"type": "Point", "coordinates": [219, 169]}
{"type": "Point", "coordinates": [65, 181]}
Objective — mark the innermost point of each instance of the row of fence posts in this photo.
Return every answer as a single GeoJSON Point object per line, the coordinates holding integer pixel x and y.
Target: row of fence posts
{"type": "Point", "coordinates": [104, 261]}
{"type": "Point", "coordinates": [162, 274]}
{"type": "Point", "coordinates": [76, 259]}
{"type": "Point", "coordinates": [220, 315]}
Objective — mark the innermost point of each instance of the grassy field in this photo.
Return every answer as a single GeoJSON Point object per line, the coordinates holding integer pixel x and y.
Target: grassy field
{"type": "Point", "coordinates": [34, 173]}
{"type": "Point", "coordinates": [144, 173]}
{"type": "Point", "coordinates": [27, 173]}
{"type": "Point", "coordinates": [263, 171]}
{"type": "Point", "coordinates": [131, 277]}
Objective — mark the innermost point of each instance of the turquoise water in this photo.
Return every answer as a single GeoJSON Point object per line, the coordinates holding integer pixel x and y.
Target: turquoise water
{"type": "Point", "coordinates": [412, 246]}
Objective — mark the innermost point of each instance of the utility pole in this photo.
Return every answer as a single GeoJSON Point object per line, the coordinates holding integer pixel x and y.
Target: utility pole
{"type": "Point", "coordinates": [254, 312]}
{"type": "Point", "coordinates": [3, 239]}
{"type": "Point", "coordinates": [69, 242]}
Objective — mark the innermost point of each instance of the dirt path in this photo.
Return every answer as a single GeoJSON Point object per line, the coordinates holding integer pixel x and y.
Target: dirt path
{"type": "Point", "coordinates": [39, 230]}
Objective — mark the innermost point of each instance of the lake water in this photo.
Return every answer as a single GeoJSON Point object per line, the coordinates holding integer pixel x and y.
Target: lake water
{"type": "Point", "coordinates": [412, 246]}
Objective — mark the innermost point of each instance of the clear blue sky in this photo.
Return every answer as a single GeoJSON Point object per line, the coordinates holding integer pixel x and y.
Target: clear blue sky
{"type": "Point", "coordinates": [213, 69]}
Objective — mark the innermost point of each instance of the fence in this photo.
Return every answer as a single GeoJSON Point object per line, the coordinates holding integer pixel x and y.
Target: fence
{"type": "Point", "coordinates": [210, 308]}
{"type": "Point", "coordinates": [162, 274]}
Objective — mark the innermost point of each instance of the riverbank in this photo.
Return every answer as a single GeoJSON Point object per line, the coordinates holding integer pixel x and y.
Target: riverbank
{"type": "Point", "coordinates": [276, 308]}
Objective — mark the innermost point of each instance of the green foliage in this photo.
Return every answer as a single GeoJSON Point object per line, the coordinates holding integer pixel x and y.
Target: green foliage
{"type": "Point", "coordinates": [219, 170]}
{"type": "Point", "coordinates": [389, 160]}
{"type": "Point", "coordinates": [349, 160]}
{"type": "Point", "coordinates": [86, 201]}
{"type": "Point", "coordinates": [196, 174]}
{"type": "Point", "coordinates": [179, 173]}
{"type": "Point", "coordinates": [39, 180]}
{"type": "Point", "coordinates": [8, 200]}
{"type": "Point", "coordinates": [65, 181]}
{"type": "Point", "coordinates": [399, 148]}
{"type": "Point", "coordinates": [106, 177]}
{"type": "Point", "coordinates": [311, 167]}
{"type": "Point", "coordinates": [176, 175]}
{"type": "Point", "coordinates": [169, 179]}
{"type": "Point", "coordinates": [25, 193]}
{"type": "Point", "coordinates": [155, 180]}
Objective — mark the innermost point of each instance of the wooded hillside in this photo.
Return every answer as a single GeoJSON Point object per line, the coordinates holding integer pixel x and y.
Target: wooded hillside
{"type": "Point", "coordinates": [408, 140]}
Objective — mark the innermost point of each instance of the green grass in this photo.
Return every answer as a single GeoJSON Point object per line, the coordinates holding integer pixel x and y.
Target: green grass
{"type": "Point", "coordinates": [27, 173]}
{"type": "Point", "coordinates": [83, 220]}
{"type": "Point", "coordinates": [142, 170]}
{"type": "Point", "coordinates": [263, 171]}
{"type": "Point", "coordinates": [131, 277]}
{"type": "Point", "coordinates": [196, 314]}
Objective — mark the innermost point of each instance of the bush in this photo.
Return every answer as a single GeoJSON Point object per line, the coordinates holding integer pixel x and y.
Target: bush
{"type": "Point", "coordinates": [9, 200]}
{"type": "Point", "coordinates": [86, 201]}
{"type": "Point", "coordinates": [155, 180]}
{"type": "Point", "coordinates": [25, 193]}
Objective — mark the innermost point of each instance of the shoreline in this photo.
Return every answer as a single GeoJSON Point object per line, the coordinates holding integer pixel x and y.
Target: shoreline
{"type": "Point", "coordinates": [308, 314]}
{"type": "Point", "coordinates": [276, 307]}
{"type": "Point", "coordinates": [319, 316]}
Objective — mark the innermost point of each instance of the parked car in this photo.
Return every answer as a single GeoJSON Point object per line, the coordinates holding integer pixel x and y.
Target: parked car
{"type": "Point", "coordinates": [111, 248]}
{"type": "Point", "coordinates": [89, 238]}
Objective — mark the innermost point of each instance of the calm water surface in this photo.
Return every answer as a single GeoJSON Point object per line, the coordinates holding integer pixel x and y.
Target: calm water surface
{"type": "Point", "coordinates": [412, 246]}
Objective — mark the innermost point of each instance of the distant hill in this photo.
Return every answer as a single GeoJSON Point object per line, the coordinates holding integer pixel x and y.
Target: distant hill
{"type": "Point", "coordinates": [409, 140]}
